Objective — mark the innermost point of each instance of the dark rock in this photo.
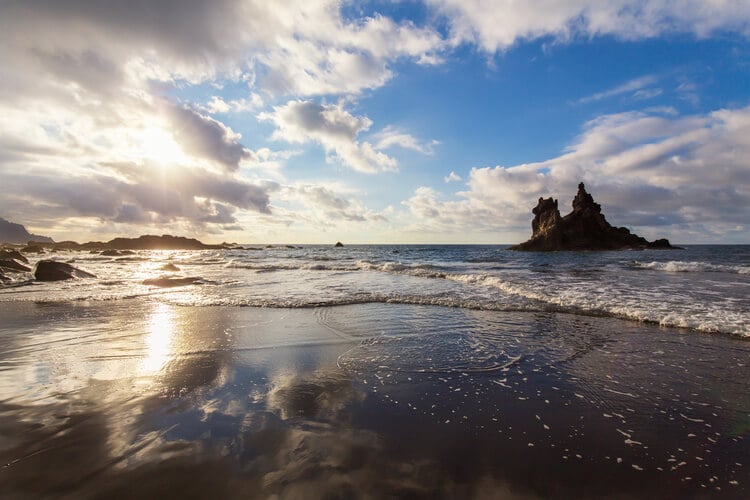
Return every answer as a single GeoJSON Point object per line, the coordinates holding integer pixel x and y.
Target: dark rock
{"type": "Point", "coordinates": [585, 228]}
{"type": "Point", "coordinates": [71, 245]}
{"type": "Point", "coordinates": [13, 255]}
{"type": "Point", "coordinates": [32, 249]}
{"type": "Point", "coordinates": [660, 243]}
{"type": "Point", "coordinates": [116, 253]}
{"type": "Point", "coordinates": [169, 282]}
{"type": "Point", "coordinates": [338, 244]}
{"type": "Point", "coordinates": [13, 266]}
{"type": "Point", "coordinates": [169, 267]}
{"type": "Point", "coordinates": [51, 270]}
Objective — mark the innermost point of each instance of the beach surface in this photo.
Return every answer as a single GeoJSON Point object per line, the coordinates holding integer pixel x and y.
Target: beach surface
{"type": "Point", "coordinates": [142, 398]}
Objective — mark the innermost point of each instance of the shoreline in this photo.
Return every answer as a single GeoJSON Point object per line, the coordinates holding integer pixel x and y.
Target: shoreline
{"type": "Point", "coordinates": [375, 399]}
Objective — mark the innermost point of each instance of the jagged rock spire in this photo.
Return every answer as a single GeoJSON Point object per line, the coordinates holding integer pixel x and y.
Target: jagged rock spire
{"type": "Point", "coordinates": [584, 201]}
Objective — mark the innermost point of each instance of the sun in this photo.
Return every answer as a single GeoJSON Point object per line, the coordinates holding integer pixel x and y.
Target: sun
{"type": "Point", "coordinates": [158, 145]}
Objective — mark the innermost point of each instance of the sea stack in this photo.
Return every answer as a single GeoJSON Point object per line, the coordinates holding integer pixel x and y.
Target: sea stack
{"type": "Point", "coordinates": [585, 228]}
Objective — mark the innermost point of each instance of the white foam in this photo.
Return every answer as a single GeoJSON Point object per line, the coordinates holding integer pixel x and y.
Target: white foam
{"type": "Point", "coordinates": [675, 266]}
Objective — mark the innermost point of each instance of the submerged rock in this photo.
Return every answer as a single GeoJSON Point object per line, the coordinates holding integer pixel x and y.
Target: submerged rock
{"type": "Point", "coordinates": [116, 253]}
{"type": "Point", "coordinates": [169, 282]}
{"type": "Point", "coordinates": [585, 228]}
{"type": "Point", "coordinates": [12, 265]}
{"type": "Point", "coordinates": [338, 244]}
{"type": "Point", "coordinates": [52, 270]}
{"type": "Point", "coordinates": [169, 267]}
{"type": "Point", "coordinates": [32, 249]}
{"type": "Point", "coordinates": [13, 255]}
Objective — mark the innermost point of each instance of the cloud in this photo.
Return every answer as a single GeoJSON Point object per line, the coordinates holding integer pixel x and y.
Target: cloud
{"type": "Point", "coordinates": [391, 136]}
{"type": "Point", "coordinates": [496, 26]}
{"type": "Point", "coordinates": [332, 127]}
{"type": "Point", "coordinates": [635, 87]}
{"type": "Point", "coordinates": [299, 47]}
{"type": "Point", "coordinates": [203, 136]}
{"type": "Point", "coordinates": [327, 55]}
{"type": "Point", "coordinates": [664, 175]}
{"type": "Point", "coordinates": [217, 105]}
{"type": "Point", "coordinates": [138, 195]}
{"type": "Point", "coordinates": [452, 177]}
{"type": "Point", "coordinates": [325, 206]}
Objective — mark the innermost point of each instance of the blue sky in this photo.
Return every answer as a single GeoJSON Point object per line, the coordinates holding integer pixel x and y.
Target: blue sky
{"type": "Point", "coordinates": [402, 122]}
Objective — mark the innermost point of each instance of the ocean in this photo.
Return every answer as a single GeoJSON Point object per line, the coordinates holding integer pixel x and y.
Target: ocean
{"type": "Point", "coordinates": [379, 371]}
{"type": "Point", "coordinates": [704, 288]}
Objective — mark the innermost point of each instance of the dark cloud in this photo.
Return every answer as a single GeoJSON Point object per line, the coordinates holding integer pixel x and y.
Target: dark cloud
{"type": "Point", "coordinates": [203, 136]}
{"type": "Point", "coordinates": [192, 195]}
{"type": "Point", "coordinates": [315, 118]}
{"type": "Point", "coordinates": [192, 30]}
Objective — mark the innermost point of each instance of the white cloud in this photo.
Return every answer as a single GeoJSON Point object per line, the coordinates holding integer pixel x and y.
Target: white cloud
{"type": "Point", "coordinates": [217, 105]}
{"type": "Point", "coordinates": [452, 177]}
{"type": "Point", "coordinates": [301, 47]}
{"type": "Point", "coordinates": [391, 136]}
{"type": "Point", "coordinates": [333, 128]}
{"type": "Point", "coordinates": [495, 26]}
{"type": "Point", "coordinates": [635, 87]}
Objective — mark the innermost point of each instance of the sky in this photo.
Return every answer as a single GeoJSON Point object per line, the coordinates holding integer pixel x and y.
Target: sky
{"type": "Point", "coordinates": [316, 121]}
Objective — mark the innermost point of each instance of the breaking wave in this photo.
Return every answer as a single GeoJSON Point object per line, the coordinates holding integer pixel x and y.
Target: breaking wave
{"type": "Point", "coordinates": [674, 266]}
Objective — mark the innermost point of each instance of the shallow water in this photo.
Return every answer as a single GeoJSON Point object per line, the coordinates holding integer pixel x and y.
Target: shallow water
{"type": "Point", "coordinates": [141, 397]}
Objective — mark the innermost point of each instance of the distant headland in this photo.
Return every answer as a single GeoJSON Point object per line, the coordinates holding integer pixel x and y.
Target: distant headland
{"type": "Point", "coordinates": [144, 242]}
{"type": "Point", "coordinates": [16, 234]}
{"type": "Point", "coordinates": [585, 228]}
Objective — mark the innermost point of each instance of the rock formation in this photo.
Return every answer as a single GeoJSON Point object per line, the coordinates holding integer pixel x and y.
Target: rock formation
{"type": "Point", "coordinates": [585, 228]}
{"type": "Point", "coordinates": [13, 255]}
{"type": "Point", "coordinates": [51, 270]}
{"type": "Point", "coordinates": [13, 266]}
{"type": "Point", "coordinates": [13, 261]}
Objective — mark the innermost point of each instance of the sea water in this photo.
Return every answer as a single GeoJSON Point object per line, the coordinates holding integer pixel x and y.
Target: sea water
{"type": "Point", "coordinates": [704, 288]}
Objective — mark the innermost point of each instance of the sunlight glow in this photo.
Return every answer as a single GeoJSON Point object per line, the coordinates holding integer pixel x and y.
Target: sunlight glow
{"type": "Point", "coordinates": [161, 329]}
{"type": "Point", "coordinates": [158, 145]}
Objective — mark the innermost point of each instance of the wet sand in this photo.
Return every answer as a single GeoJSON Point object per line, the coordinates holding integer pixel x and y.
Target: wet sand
{"type": "Point", "coordinates": [137, 398]}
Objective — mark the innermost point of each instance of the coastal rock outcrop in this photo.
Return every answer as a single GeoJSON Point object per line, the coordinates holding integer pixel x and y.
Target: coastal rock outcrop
{"type": "Point", "coordinates": [585, 228]}
{"type": "Point", "coordinates": [51, 270]}
{"type": "Point", "coordinates": [13, 255]}
{"type": "Point", "coordinates": [12, 265]}
{"type": "Point", "coordinates": [13, 261]}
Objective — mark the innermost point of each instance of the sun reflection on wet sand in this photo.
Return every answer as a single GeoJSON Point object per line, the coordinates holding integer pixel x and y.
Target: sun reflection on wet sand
{"type": "Point", "coordinates": [159, 339]}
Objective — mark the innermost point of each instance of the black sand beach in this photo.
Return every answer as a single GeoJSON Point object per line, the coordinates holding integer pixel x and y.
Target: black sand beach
{"type": "Point", "coordinates": [142, 399]}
